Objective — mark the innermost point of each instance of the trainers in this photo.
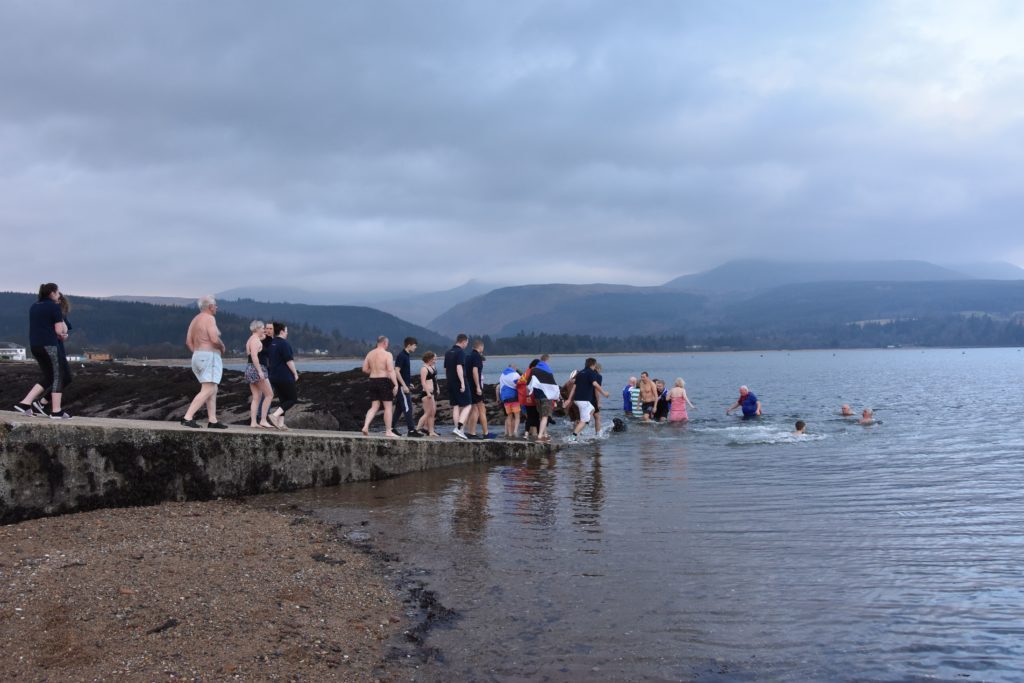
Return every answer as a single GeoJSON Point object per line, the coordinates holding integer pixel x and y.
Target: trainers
{"type": "Point", "coordinates": [23, 408]}
{"type": "Point", "coordinates": [216, 425]}
{"type": "Point", "coordinates": [474, 437]}
{"type": "Point", "coordinates": [39, 408]}
{"type": "Point", "coordinates": [414, 434]}
{"type": "Point", "coordinates": [60, 416]}
{"type": "Point", "coordinates": [572, 438]}
{"type": "Point", "coordinates": [189, 423]}
{"type": "Point", "coordinates": [459, 433]}
{"type": "Point", "coordinates": [489, 435]}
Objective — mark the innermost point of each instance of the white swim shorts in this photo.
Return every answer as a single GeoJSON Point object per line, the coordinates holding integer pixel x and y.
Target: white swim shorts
{"type": "Point", "coordinates": [207, 366]}
{"type": "Point", "coordinates": [586, 409]}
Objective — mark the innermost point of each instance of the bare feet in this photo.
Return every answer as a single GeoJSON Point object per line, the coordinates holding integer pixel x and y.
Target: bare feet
{"type": "Point", "coordinates": [365, 431]}
{"type": "Point", "coordinates": [266, 425]}
{"type": "Point", "coordinates": [433, 434]}
{"type": "Point", "coordinates": [390, 435]}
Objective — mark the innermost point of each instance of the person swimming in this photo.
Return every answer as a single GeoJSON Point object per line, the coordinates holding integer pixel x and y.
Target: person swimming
{"type": "Point", "coordinates": [867, 417]}
{"type": "Point", "coordinates": [800, 427]}
{"type": "Point", "coordinates": [847, 411]}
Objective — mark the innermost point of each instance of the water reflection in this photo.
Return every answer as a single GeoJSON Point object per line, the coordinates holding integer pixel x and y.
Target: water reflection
{"type": "Point", "coordinates": [587, 492]}
{"type": "Point", "coordinates": [469, 507]}
{"type": "Point", "coordinates": [728, 550]}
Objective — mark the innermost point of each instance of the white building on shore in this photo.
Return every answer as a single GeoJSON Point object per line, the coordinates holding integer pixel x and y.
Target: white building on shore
{"type": "Point", "coordinates": [11, 351]}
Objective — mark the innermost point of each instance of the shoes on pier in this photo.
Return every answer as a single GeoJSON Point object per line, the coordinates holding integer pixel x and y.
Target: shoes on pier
{"type": "Point", "coordinates": [63, 415]}
{"type": "Point", "coordinates": [189, 423]}
{"type": "Point", "coordinates": [23, 408]}
{"type": "Point", "coordinates": [39, 408]}
{"type": "Point", "coordinates": [216, 425]}
{"type": "Point", "coordinates": [459, 434]}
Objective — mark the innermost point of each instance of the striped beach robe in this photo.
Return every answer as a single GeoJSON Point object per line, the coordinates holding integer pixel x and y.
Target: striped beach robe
{"type": "Point", "coordinates": [543, 384]}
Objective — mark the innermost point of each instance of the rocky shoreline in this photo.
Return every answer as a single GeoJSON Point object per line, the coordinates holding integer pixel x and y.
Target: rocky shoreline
{"type": "Point", "coordinates": [221, 590]}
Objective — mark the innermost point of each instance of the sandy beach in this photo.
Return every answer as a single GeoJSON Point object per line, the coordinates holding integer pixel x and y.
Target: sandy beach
{"type": "Point", "coordinates": [191, 591]}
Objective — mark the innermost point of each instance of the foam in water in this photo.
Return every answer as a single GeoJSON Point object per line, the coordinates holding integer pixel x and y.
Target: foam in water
{"type": "Point", "coordinates": [759, 434]}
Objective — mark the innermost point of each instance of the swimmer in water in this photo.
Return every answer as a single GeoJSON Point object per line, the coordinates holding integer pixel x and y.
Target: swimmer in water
{"type": "Point", "coordinates": [846, 411]}
{"type": "Point", "coordinates": [867, 417]}
{"type": "Point", "coordinates": [800, 427]}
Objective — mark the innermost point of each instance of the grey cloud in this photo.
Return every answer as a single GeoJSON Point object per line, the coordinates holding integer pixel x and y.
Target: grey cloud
{"type": "Point", "coordinates": [307, 143]}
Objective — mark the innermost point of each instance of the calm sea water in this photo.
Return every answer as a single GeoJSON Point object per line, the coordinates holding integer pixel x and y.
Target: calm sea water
{"type": "Point", "coordinates": [726, 549]}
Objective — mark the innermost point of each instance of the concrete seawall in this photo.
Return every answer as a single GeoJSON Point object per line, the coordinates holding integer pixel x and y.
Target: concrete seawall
{"type": "Point", "coordinates": [49, 468]}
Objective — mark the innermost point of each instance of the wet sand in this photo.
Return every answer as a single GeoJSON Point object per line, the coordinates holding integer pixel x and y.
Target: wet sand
{"type": "Point", "coordinates": [194, 591]}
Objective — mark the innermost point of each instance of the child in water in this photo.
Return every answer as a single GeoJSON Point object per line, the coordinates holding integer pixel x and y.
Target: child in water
{"type": "Point", "coordinates": [800, 427]}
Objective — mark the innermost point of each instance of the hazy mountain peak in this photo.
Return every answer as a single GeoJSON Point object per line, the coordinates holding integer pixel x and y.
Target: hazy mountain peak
{"type": "Point", "coordinates": [754, 274]}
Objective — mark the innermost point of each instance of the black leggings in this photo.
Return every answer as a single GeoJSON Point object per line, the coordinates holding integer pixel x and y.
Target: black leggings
{"type": "Point", "coordinates": [532, 417]}
{"type": "Point", "coordinates": [52, 366]}
{"type": "Point", "coordinates": [287, 393]}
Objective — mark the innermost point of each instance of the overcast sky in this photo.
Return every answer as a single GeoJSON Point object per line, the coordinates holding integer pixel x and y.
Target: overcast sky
{"type": "Point", "coordinates": [182, 147]}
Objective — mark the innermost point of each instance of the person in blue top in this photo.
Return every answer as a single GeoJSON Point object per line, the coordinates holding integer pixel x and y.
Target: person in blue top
{"type": "Point", "coordinates": [47, 330]}
{"type": "Point", "coordinates": [283, 375]}
{"type": "Point", "coordinates": [627, 396]}
{"type": "Point", "coordinates": [747, 402]}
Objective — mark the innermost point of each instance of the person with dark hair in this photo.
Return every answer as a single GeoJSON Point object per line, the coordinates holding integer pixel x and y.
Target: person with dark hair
{"type": "Point", "coordinates": [527, 402]}
{"type": "Point", "coordinates": [41, 406]}
{"type": "Point", "coordinates": [475, 375]}
{"type": "Point", "coordinates": [46, 330]}
{"type": "Point", "coordinates": [380, 366]}
{"type": "Point", "coordinates": [648, 396]}
{"type": "Point", "coordinates": [547, 392]}
{"type": "Point", "coordinates": [800, 427]}
{"type": "Point", "coordinates": [661, 409]}
{"type": "Point", "coordinates": [459, 396]}
{"type": "Point", "coordinates": [403, 399]}
{"type": "Point", "coordinates": [428, 381]}
{"type": "Point", "coordinates": [283, 375]}
{"type": "Point", "coordinates": [585, 387]}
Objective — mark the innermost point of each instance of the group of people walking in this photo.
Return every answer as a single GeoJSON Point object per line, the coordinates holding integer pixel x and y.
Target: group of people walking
{"type": "Point", "coordinates": [528, 397]}
{"type": "Point", "coordinates": [269, 370]}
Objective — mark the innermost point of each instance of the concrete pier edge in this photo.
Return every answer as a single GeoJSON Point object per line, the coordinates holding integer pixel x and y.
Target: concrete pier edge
{"type": "Point", "coordinates": [49, 467]}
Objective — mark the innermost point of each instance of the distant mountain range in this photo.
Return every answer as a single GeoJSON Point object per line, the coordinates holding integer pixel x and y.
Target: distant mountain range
{"type": "Point", "coordinates": [351, 322]}
{"type": "Point", "coordinates": [742, 304]}
{"type": "Point", "coordinates": [725, 299]}
{"type": "Point", "coordinates": [416, 307]}
{"type": "Point", "coordinates": [751, 275]}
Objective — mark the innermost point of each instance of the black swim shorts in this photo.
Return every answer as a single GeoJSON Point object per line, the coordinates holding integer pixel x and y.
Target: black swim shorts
{"type": "Point", "coordinates": [381, 389]}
